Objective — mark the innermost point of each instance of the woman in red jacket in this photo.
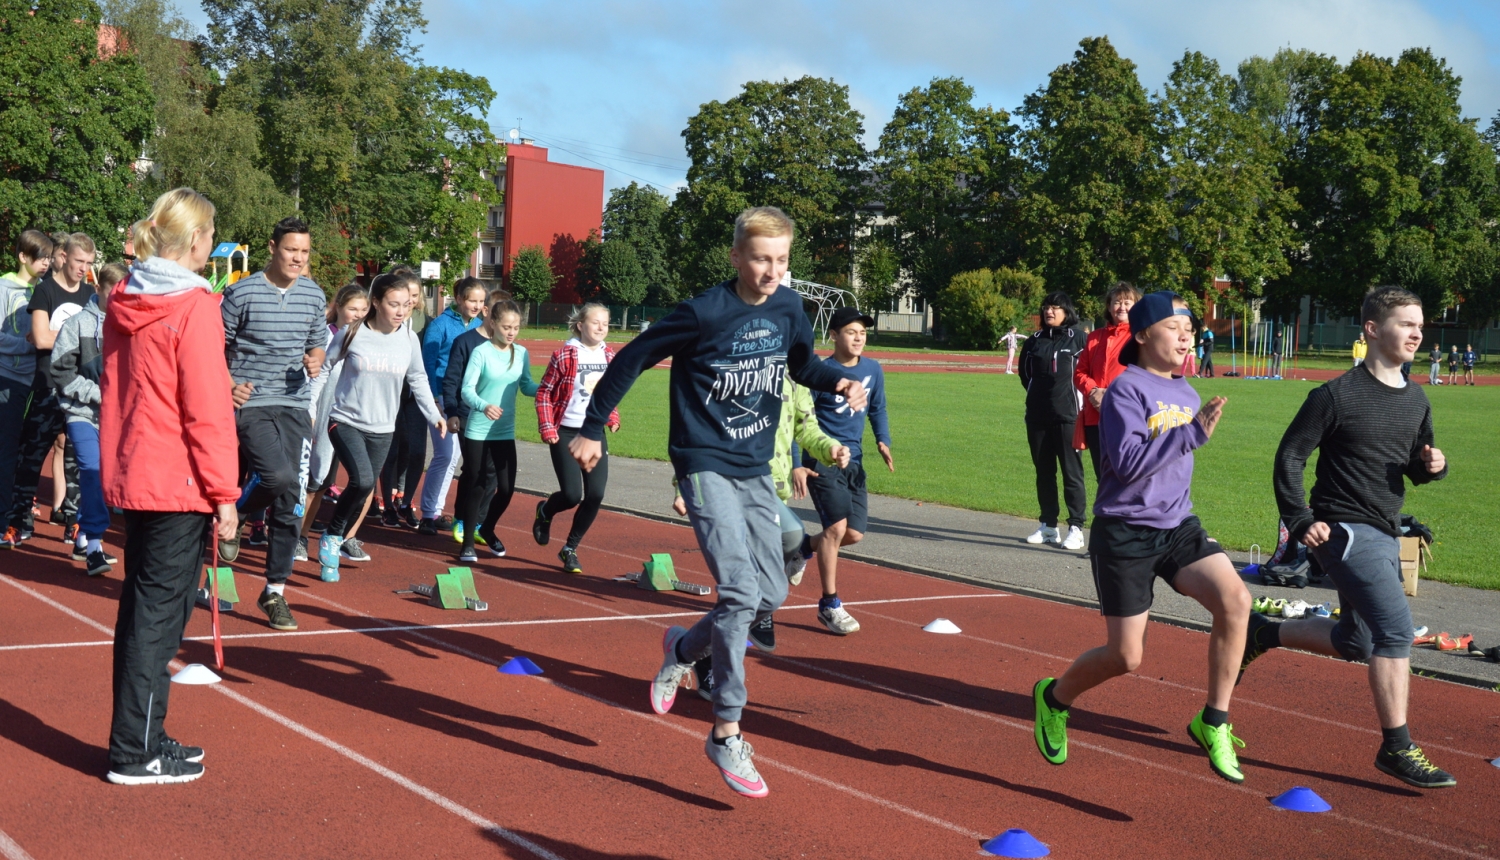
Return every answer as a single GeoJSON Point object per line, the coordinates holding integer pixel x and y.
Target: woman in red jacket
{"type": "Point", "coordinates": [168, 457]}
{"type": "Point", "coordinates": [1099, 364]}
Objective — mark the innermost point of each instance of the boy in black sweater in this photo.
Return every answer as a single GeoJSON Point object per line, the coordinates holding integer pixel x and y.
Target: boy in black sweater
{"type": "Point", "coordinates": [731, 347]}
{"type": "Point", "coordinates": [1371, 427]}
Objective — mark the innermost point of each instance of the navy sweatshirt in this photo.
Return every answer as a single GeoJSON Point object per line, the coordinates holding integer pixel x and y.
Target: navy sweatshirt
{"type": "Point", "coordinates": [728, 363]}
{"type": "Point", "coordinates": [453, 374]}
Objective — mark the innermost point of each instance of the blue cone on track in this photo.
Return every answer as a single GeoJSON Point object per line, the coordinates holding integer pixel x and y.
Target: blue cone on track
{"type": "Point", "coordinates": [1300, 799]}
{"type": "Point", "coordinates": [520, 666]}
{"type": "Point", "coordinates": [1015, 843]}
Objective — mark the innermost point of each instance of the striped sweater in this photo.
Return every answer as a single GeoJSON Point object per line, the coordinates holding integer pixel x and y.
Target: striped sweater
{"type": "Point", "coordinates": [266, 334]}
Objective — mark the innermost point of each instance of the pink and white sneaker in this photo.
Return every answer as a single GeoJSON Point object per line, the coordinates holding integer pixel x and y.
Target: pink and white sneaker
{"type": "Point", "coordinates": [664, 685]}
{"type": "Point", "coordinates": [733, 759]}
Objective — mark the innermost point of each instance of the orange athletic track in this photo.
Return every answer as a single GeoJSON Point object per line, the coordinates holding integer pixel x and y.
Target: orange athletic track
{"type": "Point", "coordinates": [371, 733]}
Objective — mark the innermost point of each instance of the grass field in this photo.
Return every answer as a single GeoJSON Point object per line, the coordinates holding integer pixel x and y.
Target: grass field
{"type": "Point", "coordinates": [960, 441]}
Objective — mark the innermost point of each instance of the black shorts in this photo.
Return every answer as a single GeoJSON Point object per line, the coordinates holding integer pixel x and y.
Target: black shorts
{"type": "Point", "coordinates": [1127, 559]}
{"type": "Point", "coordinates": [840, 494]}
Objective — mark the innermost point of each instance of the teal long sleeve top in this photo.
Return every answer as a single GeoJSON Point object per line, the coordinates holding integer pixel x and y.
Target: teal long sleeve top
{"type": "Point", "coordinates": [492, 379]}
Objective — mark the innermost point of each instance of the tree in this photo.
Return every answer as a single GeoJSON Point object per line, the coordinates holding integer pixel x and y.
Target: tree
{"type": "Point", "coordinates": [620, 276]}
{"type": "Point", "coordinates": [72, 124]}
{"type": "Point", "coordinates": [1095, 209]}
{"type": "Point", "coordinates": [947, 171]}
{"type": "Point", "coordinates": [977, 310]}
{"type": "Point", "coordinates": [531, 275]}
{"type": "Point", "coordinates": [635, 214]}
{"type": "Point", "coordinates": [879, 270]}
{"type": "Point", "coordinates": [792, 144]}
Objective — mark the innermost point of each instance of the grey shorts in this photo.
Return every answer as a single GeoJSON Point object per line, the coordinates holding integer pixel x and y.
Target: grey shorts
{"type": "Point", "coordinates": [1365, 566]}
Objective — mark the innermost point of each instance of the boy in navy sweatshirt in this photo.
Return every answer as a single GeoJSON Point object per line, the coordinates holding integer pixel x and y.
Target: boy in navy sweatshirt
{"type": "Point", "coordinates": [731, 347]}
{"type": "Point", "coordinates": [840, 494]}
{"type": "Point", "coordinates": [1144, 528]}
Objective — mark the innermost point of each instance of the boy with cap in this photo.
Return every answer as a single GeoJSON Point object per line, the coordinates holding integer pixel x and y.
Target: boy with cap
{"type": "Point", "coordinates": [1150, 423]}
{"type": "Point", "coordinates": [840, 495]}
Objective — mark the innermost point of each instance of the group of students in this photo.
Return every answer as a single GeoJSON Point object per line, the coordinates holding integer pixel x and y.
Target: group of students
{"type": "Point", "coordinates": [746, 389]}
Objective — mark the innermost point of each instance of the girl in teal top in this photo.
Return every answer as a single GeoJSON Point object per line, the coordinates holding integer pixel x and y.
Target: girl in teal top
{"type": "Point", "coordinates": [496, 370]}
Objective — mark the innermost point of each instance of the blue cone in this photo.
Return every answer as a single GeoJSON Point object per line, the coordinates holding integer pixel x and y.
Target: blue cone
{"type": "Point", "coordinates": [1300, 799]}
{"type": "Point", "coordinates": [520, 666]}
{"type": "Point", "coordinates": [1015, 843]}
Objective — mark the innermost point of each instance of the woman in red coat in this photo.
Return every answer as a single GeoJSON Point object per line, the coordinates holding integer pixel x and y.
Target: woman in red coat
{"type": "Point", "coordinates": [1098, 365]}
{"type": "Point", "coordinates": [168, 457]}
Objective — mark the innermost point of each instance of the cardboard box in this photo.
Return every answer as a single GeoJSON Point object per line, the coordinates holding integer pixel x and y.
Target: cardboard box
{"type": "Point", "coordinates": [1411, 558]}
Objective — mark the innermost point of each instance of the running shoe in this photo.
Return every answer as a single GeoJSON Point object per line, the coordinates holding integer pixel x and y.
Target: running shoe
{"type": "Point", "coordinates": [569, 558]}
{"type": "Point", "coordinates": [181, 752]}
{"type": "Point", "coordinates": [278, 614]}
{"type": "Point", "coordinates": [70, 533]}
{"type": "Point", "coordinates": [427, 526]}
{"type": "Point", "coordinates": [408, 517]}
{"type": "Point", "coordinates": [11, 539]}
{"type": "Point", "coordinates": [390, 518]}
{"type": "Point", "coordinates": [671, 673]}
{"type": "Point", "coordinates": [301, 552]}
{"type": "Point", "coordinates": [490, 541]}
{"type": "Point", "coordinates": [97, 564]}
{"type": "Point", "coordinates": [161, 770]}
{"type": "Point", "coordinates": [353, 549]}
{"type": "Point", "coordinates": [795, 567]}
{"type": "Point", "coordinates": [1419, 632]}
{"type": "Point", "coordinates": [1261, 605]}
{"type": "Point", "coordinates": [1412, 767]}
{"type": "Point", "coordinates": [1448, 642]}
{"type": "Point", "coordinates": [1253, 648]}
{"type": "Point", "coordinates": [332, 496]}
{"type": "Point", "coordinates": [541, 527]}
{"type": "Point", "coordinates": [1426, 638]}
{"type": "Point", "coordinates": [467, 554]}
{"type": "Point", "coordinates": [733, 759]}
{"type": "Point", "coordinates": [1044, 534]}
{"type": "Point", "coordinates": [703, 673]}
{"type": "Point", "coordinates": [258, 533]}
{"type": "Point", "coordinates": [81, 553]}
{"type": "Point", "coordinates": [328, 556]}
{"type": "Point", "coordinates": [1322, 610]}
{"type": "Point", "coordinates": [458, 531]}
{"type": "Point", "coordinates": [1074, 540]}
{"type": "Point", "coordinates": [202, 597]}
{"type": "Point", "coordinates": [57, 517]}
{"type": "Point", "coordinates": [1051, 725]}
{"type": "Point", "coordinates": [763, 634]}
{"type": "Point", "coordinates": [1219, 742]}
{"type": "Point", "coordinates": [837, 619]}
{"type": "Point", "coordinates": [1295, 609]}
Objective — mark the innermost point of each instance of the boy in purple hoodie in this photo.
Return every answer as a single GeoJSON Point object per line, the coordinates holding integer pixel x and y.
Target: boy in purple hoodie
{"type": "Point", "coordinates": [1150, 423]}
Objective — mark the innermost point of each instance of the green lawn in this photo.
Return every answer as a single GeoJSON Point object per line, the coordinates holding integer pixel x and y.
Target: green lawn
{"type": "Point", "coordinates": [959, 440]}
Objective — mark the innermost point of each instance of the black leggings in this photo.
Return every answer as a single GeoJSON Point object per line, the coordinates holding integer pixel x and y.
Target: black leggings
{"type": "Point", "coordinates": [362, 455]}
{"type": "Point", "coordinates": [407, 459]}
{"type": "Point", "coordinates": [481, 456]}
{"type": "Point", "coordinates": [576, 489]}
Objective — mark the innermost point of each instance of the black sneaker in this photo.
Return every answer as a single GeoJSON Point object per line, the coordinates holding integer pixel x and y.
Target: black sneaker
{"type": "Point", "coordinates": [704, 671]}
{"type": "Point", "coordinates": [428, 526]}
{"type": "Point", "coordinates": [763, 634]}
{"type": "Point", "coordinates": [1412, 767]}
{"type": "Point", "coordinates": [181, 752]}
{"type": "Point", "coordinates": [203, 597]}
{"type": "Point", "coordinates": [158, 771]}
{"type": "Point", "coordinates": [389, 518]}
{"type": "Point", "coordinates": [541, 527]}
{"type": "Point", "coordinates": [278, 614]}
{"type": "Point", "coordinates": [492, 543]}
{"type": "Point", "coordinates": [258, 534]}
{"type": "Point", "coordinates": [467, 553]}
{"type": "Point", "coordinates": [408, 517]}
{"type": "Point", "coordinates": [1253, 648]}
{"type": "Point", "coordinates": [81, 553]}
{"type": "Point", "coordinates": [569, 558]}
{"type": "Point", "coordinates": [98, 564]}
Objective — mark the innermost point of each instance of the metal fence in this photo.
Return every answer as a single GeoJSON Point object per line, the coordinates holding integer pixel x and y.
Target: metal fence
{"type": "Point", "coordinates": [1338, 339]}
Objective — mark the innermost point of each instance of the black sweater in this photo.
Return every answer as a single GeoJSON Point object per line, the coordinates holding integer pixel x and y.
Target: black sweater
{"type": "Point", "coordinates": [453, 376]}
{"type": "Point", "coordinates": [729, 359]}
{"type": "Point", "coordinates": [1047, 360]}
{"type": "Point", "coordinates": [1369, 437]}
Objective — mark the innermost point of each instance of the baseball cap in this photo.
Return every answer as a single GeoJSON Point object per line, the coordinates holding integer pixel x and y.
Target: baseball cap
{"type": "Point", "coordinates": [1150, 310]}
{"type": "Point", "coordinates": [845, 315]}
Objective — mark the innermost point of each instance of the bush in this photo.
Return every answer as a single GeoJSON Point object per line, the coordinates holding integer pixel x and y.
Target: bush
{"type": "Point", "coordinates": [531, 275]}
{"type": "Point", "coordinates": [980, 306]}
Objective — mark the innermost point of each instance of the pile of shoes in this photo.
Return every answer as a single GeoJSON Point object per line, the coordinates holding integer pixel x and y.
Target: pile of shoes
{"type": "Point", "coordinates": [1446, 641]}
{"type": "Point", "coordinates": [1278, 608]}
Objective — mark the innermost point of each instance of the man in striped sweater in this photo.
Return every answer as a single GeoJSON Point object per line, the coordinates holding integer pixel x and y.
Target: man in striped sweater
{"type": "Point", "coordinates": [274, 334]}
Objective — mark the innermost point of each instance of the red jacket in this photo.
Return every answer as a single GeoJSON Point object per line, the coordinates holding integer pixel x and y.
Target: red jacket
{"type": "Point", "coordinates": [166, 421]}
{"type": "Point", "coordinates": [556, 389]}
{"type": "Point", "coordinates": [1097, 367]}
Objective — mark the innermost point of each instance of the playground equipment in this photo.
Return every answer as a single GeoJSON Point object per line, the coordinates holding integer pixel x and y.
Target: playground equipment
{"type": "Point", "coordinates": [231, 253]}
{"type": "Point", "coordinates": [825, 299]}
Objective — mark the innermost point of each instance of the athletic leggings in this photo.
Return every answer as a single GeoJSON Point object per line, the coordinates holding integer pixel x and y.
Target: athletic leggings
{"type": "Point", "coordinates": [577, 490]}
{"type": "Point", "coordinates": [362, 455]}
{"type": "Point", "coordinates": [480, 456]}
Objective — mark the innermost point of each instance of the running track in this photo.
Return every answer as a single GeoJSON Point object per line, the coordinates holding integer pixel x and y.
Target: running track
{"type": "Point", "coordinates": [382, 729]}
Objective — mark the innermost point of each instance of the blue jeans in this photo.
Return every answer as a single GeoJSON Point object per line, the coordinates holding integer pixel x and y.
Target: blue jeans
{"type": "Point", "coordinates": [93, 513]}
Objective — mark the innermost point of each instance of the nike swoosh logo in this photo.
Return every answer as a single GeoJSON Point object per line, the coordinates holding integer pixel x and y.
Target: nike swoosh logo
{"type": "Point", "coordinates": [1047, 746]}
{"type": "Point", "coordinates": [751, 786]}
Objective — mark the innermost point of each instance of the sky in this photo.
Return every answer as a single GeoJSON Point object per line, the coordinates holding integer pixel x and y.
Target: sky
{"type": "Point", "coordinates": [611, 83]}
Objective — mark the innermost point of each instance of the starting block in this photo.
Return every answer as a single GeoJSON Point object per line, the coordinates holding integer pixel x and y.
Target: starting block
{"type": "Point", "coordinates": [659, 575]}
{"type": "Point", "coordinates": [454, 590]}
{"type": "Point", "coordinates": [224, 576]}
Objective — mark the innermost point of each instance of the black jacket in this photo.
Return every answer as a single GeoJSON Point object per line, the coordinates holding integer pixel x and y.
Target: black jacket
{"type": "Point", "coordinates": [453, 377]}
{"type": "Point", "coordinates": [1047, 361]}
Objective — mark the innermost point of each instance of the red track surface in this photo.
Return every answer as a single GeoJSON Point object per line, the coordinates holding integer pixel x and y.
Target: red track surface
{"type": "Point", "coordinates": [357, 738]}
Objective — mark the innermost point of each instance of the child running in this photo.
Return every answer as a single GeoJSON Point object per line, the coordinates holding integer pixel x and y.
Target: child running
{"type": "Point", "coordinates": [1370, 428]}
{"type": "Point", "coordinates": [350, 305]}
{"type": "Point", "coordinates": [378, 354]}
{"type": "Point", "coordinates": [495, 372]}
{"type": "Point", "coordinates": [840, 495]}
{"type": "Point", "coordinates": [730, 348]}
{"type": "Point", "coordinates": [561, 401]}
{"type": "Point", "coordinates": [437, 343]}
{"type": "Point", "coordinates": [1144, 528]}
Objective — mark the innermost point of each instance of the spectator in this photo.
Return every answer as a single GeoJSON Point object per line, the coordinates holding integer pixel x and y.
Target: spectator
{"type": "Point", "coordinates": [1359, 350]}
{"type": "Point", "coordinates": [1047, 367]}
{"type": "Point", "coordinates": [1098, 365]}
{"type": "Point", "coordinates": [1470, 357]}
{"type": "Point", "coordinates": [1207, 369]}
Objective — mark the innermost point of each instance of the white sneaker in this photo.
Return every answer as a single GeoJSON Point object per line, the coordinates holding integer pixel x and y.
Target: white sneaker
{"type": "Point", "coordinates": [795, 568]}
{"type": "Point", "coordinates": [1044, 534]}
{"type": "Point", "coordinates": [732, 758]}
{"type": "Point", "coordinates": [1296, 609]}
{"type": "Point", "coordinates": [1074, 539]}
{"type": "Point", "coordinates": [664, 685]}
{"type": "Point", "coordinates": [838, 620]}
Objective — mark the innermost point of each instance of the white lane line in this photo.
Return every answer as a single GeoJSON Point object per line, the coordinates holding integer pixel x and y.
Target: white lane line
{"type": "Point", "coordinates": [107, 631]}
{"type": "Point", "coordinates": [11, 850]}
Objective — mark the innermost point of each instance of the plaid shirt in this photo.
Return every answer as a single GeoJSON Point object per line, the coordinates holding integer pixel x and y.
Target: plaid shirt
{"type": "Point", "coordinates": [556, 389]}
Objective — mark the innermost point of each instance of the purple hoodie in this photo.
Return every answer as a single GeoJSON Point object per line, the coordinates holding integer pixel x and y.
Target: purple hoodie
{"type": "Point", "coordinates": [1146, 436]}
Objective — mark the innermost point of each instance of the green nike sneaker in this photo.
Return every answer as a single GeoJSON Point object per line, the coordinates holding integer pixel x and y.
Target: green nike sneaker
{"type": "Point", "coordinates": [1219, 743]}
{"type": "Point", "coordinates": [1051, 726]}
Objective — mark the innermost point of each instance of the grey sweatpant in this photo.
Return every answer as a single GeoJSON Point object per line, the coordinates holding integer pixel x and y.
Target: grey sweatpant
{"type": "Point", "coordinates": [735, 520]}
{"type": "Point", "coordinates": [1365, 566]}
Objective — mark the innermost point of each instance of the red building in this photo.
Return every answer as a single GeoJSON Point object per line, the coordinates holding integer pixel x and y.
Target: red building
{"type": "Point", "coordinates": [552, 205]}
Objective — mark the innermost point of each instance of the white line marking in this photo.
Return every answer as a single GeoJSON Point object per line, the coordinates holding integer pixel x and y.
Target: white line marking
{"type": "Point", "coordinates": [11, 849]}
{"type": "Point", "coordinates": [107, 631]}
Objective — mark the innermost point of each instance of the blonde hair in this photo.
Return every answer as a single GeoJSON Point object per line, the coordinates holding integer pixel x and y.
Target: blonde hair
{"type": "Point", "coordinates": [112, 274]}
{"type": "Point", "coordinates": [762, 221]}
{"type": "Point", "coordinates": [81, 242]}
{"type": "Point", "coordinates": [168, 230]}
{"type": "Point", "coordinates": [580, 315]}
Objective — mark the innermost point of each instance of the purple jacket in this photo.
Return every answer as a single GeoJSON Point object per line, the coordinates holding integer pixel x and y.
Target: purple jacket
{"type": "Point", "coordinates": [1147, 435]}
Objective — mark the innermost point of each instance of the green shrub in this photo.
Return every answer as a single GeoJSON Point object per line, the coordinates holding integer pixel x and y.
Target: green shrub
{"type": "Point", "coordinates": [980, 306]}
